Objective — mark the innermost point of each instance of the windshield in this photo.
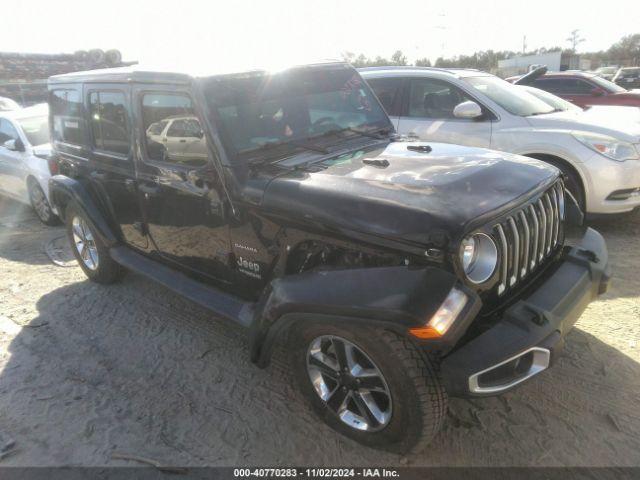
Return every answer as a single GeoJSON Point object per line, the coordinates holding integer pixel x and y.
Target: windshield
{"type": "Point", "coordinates": [513, 99]}
{"type": "Point", "coordinates": [550, 99]}
{"type": "Point", "coordinates": [36, 129]}
{"type": "Point", "coordinates": [629, 72]}
{"type": "Point", "coordinates": [607, 85]}
{"type": "Point", "coordinates": [299, 104]}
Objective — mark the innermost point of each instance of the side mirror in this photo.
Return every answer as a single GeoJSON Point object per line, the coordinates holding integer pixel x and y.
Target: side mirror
{"type": "Point", "coordinates": [15, 145]}
{"type": "Point", "coordinates": [597, 92]}
{"type": "Point", "coordinates": [468, 110]}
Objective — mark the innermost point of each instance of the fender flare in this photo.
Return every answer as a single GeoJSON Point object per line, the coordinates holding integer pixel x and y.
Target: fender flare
{"type": "Point", "coordinates": [394, 298]}
{"type": "Point", "coordinates": [65, 190]}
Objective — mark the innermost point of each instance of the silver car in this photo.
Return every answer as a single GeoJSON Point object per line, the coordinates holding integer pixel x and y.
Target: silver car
{"type": "Point", "coordinates": [600, 157]}
{"type": "Point", "coordinates": [25, 162]}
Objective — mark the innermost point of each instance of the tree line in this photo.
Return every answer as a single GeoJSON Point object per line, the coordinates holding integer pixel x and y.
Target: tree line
{"type": "Point", "coordinates": [625, 52]}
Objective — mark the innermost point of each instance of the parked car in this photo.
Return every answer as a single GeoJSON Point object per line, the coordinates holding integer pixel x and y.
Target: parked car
{"type": "Point", "coordinates": [602, 114]}
{"type": "Point", "coordinates": [396, 273]}
{"type": "Point", "coordinates": [585, 89]}
{"type": "Point", "coordinates": [7, 104]}
{"type": "Point", "coordinates": [25, 161]}
{"type": "Point", "coordinates": [628, 77]}
{"type": "Point", "coordinates": [181, 138]}
{"type": "Point", "coordinates": [599, 159]}
{"type": "Point", "coordinates": [606, 72]}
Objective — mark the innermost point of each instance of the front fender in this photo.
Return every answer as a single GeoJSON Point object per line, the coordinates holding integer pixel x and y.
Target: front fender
{"type": "Point", "coordinates": [64, 190]}
{"type": "Point", "coordinates": [395, 298]}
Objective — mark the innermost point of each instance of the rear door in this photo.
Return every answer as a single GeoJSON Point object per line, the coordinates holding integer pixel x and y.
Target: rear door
{"type": "Point", "coordinates": [111, 156]}
{"type": "Point", "coordinates": [180, 190]}
{"type": "Point", "coordinates": [428, 114]}
{"type": "Point", "coordinates": [13, 169]}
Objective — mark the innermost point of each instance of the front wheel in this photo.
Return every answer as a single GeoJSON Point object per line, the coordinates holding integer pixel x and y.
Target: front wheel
{"type": "Point", "coordinates": [370, 385]}
{"type": "Point", "coordinates": [92, 255]}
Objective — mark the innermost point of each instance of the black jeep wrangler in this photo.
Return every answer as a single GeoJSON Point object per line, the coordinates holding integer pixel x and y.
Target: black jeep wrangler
{"type": "Point", "coordinates": [396, 272]}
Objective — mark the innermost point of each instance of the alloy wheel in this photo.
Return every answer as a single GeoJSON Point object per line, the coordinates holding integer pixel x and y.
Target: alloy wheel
{"type": "Point", "coordinates": [40, 203]}
{"type": "Point", "coordinates": [85, 243]}
{"type": "Point", "coordinates": [349, 383]}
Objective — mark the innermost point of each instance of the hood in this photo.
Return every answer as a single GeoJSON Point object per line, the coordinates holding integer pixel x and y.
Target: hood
{"type": "Point", "coordinates": [604, 122]}
{"type": "Point", "coordinates": [416, 197]}
{"type": "Point", "coordinates": [610, 114]}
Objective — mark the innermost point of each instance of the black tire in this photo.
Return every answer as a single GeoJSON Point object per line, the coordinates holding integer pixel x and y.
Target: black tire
{"type": "Point", "coordinates": [104, 270]}
{"type": "Point", "coordinates": [41, 205]}
{"type": "Point", "coordinates": [419, 401]}
{"type": "Point", "coordinates": [573, 182]}
{"type": "Point", "coordinates": [574, 185]}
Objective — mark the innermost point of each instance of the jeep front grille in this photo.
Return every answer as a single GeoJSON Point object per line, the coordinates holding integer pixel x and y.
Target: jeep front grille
{"type": "Point", "coordinates": [528, 236]}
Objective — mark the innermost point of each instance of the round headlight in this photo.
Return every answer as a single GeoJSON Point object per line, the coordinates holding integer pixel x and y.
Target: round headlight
{"type": "Point", "coordinates": [479, 257]}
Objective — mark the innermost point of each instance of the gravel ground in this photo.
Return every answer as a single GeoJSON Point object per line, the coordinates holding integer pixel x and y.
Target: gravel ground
{"type": "Point", "coordinates": [89, 373]}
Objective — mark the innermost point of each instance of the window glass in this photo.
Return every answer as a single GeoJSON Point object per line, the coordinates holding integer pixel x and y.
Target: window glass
{"type": "Point", "coordinates": [109, 121]}
{"type": "Point", "coordinates": [66, 111]}
{"type": "Point", "coordinates": [157, 128]}
{"type": "Point", "coordinates": [261, 110]}
{"type": "Point", "coordinates": [388, 91]}
{"type": "Point", "coordinates": [430, 98]}
{"type": "Point", "coordinates": [184, 142]}
{"type": "Point", "coordinates": [7, 131]}
{"type": "Point", "coordinates": [36, 129]}
{"type": "Point", "coordinates": [550, 99]}
{"type": "Point", "coordinates": [512, 98]}
{"type": "Point", "coordinates": [582, 87]}
{"type": "Point", "coordinates": [565, 86]}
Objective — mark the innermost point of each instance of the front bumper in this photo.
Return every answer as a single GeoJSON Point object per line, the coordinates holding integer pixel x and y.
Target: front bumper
{"type": "Point", "coordinates": [531, 332]}
{"type": "Point", "coordinates": [604, 177]}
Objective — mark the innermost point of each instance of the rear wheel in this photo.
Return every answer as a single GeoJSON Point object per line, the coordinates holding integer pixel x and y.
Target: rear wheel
{"type": "Point", "coordinates": [41, 205]}
{"type": "Point", "coordinates": [92, 255]}
{"type": "Point", "coordinates": [370, 385]}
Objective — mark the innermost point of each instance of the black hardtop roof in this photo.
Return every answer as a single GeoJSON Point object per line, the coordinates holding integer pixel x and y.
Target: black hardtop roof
{"type": "Point", "coordinates": [142, 74]}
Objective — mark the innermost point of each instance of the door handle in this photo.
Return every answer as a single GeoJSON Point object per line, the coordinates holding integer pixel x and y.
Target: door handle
{"type": "Point", "coordinates": [182, 140]}
{"type": "Point", "coordinates": [149, 190]}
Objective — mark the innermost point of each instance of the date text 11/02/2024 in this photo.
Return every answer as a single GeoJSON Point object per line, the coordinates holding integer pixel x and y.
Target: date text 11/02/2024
{"type": "Point", "coordinates": [316, 472]}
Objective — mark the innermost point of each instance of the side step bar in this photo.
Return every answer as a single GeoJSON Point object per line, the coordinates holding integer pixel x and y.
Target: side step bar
{"type": "Point", "coordinates": [218, 302]}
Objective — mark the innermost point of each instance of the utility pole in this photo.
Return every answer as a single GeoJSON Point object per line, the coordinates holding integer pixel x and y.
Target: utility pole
{"type": "Point", "coordinates": [524, 44]}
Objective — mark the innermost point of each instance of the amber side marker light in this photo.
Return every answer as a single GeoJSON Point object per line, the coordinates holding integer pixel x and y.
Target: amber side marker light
{"type": "Point", "coordinates": [438, 325]}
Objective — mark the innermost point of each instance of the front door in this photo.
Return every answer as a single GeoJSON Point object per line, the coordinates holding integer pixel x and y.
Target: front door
{"type": "Point", "coordinates": [13, 170]}
{"type": "Point", "coordinates": [180, 190]}
{"type": "Point", "coordinates": [428, 114]}
{"type": "Point", "coordinates": [113, 171]}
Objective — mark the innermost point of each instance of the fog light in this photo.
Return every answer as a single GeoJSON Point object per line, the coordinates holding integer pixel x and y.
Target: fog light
{"type": "Point", "coordinates": [442, 320]}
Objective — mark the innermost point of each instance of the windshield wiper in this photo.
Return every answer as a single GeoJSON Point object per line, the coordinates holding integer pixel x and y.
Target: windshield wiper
{"type": "Point", "coordinates": [374, 133]}
{"type": "Point", "coordinates": [282, 143]}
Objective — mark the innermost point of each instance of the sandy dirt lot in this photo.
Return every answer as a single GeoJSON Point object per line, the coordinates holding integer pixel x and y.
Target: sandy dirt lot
{"type": "Point", "coordinates": [88, 373]}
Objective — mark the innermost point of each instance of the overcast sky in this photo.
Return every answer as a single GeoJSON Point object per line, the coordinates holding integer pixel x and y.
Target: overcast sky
{"type": "Point", "coordinates": [181, 32]}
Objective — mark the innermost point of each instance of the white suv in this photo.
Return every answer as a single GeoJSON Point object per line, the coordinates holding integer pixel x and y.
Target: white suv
{"type": "Point", "coordinates": [601, 160]}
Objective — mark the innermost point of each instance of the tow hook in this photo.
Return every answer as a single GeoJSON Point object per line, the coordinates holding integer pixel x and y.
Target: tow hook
{"type": "Point", "coordinates": [588, 254]}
